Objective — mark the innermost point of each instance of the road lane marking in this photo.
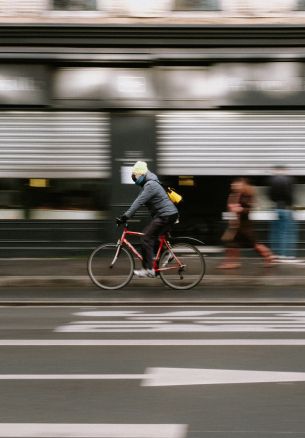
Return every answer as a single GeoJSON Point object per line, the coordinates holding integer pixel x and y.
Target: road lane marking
{"type": "Point", "coordinates": [33, 430]}
{"type": "Point", "coordinates": [72, 377]}
{"type": "Point", "coordinates": [163, 376]}
{"type": "Point", "coordinates": [149, 342]}
{"type": "Point", "coordinates": [189, 376]}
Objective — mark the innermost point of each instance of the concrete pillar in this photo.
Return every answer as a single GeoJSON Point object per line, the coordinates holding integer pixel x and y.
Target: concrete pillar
{"type": "Point", "coordinates": [132, 139]}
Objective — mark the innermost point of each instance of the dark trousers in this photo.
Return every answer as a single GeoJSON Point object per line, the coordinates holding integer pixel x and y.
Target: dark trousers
{"type": "Point", "coordinates": [154, 229]}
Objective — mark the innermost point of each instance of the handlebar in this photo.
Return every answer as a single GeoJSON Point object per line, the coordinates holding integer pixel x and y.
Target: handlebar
{"type": "Point", "coordinates": [119, 222]}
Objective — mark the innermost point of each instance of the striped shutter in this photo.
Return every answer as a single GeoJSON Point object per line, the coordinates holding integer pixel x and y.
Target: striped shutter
{"type": "Point", "coordinates": [54, 144]}
{"type": "Point", "coordinates": [230, 142]}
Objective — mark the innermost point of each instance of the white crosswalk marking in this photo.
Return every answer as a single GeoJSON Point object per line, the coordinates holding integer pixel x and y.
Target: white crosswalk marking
{"type": "Point", "coordinates": [186, 321]}
{"type": "Point", "coordinates": [33, 430]}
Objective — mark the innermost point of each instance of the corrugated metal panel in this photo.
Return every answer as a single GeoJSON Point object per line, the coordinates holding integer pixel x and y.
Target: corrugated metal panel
{"type": "Point", "coordinates": [20, 7]}
{"type": "Point", "coordinates": [54, 144]}
{"type": "Point", "coordinates": [230, 142]}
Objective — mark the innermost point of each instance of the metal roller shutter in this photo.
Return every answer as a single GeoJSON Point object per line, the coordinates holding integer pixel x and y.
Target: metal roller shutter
{"type": "Point", "coordinates": [54, 144]}
{"type": "Point", "coordinates": [230, 142]}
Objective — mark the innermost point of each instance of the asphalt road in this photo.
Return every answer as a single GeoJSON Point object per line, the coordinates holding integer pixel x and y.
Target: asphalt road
{"type": "Point", "coordinates": [152, 372]}
{"type": "Point", "coordinates": [147, 294]}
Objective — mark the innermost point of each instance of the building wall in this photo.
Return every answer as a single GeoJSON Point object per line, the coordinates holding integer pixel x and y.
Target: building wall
{"type": "Point", "coordinates": [23, 7]}
{"type": "Point", "coordinates": [259, 8]}
{"type": "Point", "coordinates": [155, 8]}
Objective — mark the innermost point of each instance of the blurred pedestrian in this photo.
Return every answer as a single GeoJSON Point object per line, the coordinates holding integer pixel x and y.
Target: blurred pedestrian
{"type": "Point", "coordinates": [240, 232]}
{"type": "Point", "coordinates": [283, 227]}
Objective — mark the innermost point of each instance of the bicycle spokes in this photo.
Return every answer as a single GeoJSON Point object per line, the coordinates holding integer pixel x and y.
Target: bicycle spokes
{"type": "Point", "coordinates": [182, 266]}
{"type": "Point", "coordinates": [169, 258]}
{"type": "Point", "coordinates": [111, 266]}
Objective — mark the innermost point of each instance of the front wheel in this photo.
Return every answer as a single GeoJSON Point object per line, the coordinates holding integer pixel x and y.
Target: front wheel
{"type": "Point", "coordinates": [181, 267]}
{"type": "Point", "coordinates": [110, 266]}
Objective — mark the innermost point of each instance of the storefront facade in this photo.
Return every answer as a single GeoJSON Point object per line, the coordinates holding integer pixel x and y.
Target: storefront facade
{"type": "Point", "coordinates": [80, 105]}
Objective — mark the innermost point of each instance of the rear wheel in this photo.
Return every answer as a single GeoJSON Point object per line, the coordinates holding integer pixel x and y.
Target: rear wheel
{"type": "Point", "coordinates": [110, 266]}
{"type": "Point", "coordinates": [182, 267]}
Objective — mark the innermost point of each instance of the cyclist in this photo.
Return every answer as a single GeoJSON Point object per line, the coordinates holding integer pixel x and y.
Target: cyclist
{"type": "Point", "coordinates": [164, 213]}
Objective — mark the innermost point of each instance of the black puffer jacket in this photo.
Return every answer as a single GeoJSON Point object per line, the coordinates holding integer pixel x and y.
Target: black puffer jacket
{"type": "Point", "coordinates": [281, 190]}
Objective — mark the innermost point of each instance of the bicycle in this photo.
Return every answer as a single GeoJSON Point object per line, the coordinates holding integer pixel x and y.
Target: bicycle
{"type": "Point", "coordinates": [179, 265]}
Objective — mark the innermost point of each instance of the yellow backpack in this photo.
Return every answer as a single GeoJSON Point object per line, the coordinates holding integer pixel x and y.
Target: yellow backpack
{"type": "Point", "coordinates": [173, 196]}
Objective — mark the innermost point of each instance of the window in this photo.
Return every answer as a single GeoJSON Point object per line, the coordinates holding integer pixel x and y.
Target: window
{"type": "Point", "coordinates": [197, 5]}
{"type": "Point", "coordinates": [67, 194]}
{"type": "Point", "coordinates": [74, 5]}
{"type": "Point", "coordinates": [10, 193]}
{"type": "Point", "coordinates": [301, 5]}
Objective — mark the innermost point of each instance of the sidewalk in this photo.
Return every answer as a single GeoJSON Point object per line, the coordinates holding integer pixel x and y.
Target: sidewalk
{"type": "Point", "coordinates": [69, 272]}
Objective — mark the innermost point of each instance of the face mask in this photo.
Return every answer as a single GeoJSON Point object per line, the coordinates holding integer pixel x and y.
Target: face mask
{"type": "Point", "coordinates": [139, 181]}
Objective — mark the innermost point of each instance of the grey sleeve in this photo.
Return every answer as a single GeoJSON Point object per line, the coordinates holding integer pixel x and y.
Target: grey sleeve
{"type": "Point", "coordinates": [141, 200]}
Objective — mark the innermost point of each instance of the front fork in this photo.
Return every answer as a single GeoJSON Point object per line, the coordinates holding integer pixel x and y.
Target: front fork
{"type": "Point", "coordinates": [117, 253]}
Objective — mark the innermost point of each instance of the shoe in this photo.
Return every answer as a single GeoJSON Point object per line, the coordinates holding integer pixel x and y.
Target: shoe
{"type": "Point", "coordinates": [293, 260]}
{"type": "Point", "coordinates": [271, 261]}
{"type": "Point", "coordinates": [145, 273]}
{"type": "Point", "coordinates": [284, 259]}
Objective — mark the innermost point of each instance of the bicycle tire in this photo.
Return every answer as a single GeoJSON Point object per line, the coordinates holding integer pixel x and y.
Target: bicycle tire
{"type": "Point", "coordinates": [192, 273]}
{"type": "Point", "coordinates": [106, 276]}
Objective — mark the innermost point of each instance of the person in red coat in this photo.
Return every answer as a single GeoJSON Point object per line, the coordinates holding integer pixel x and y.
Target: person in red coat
{"type": "Point", "coordinates": [240, 232]}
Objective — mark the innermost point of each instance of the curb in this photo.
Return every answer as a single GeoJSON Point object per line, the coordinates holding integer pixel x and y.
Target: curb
{"type": "Point", "coordinates": [130, 303]}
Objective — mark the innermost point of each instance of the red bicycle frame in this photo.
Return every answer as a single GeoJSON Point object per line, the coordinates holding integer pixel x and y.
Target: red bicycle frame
{"type": "Point", "coordinates": [162, 243]}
